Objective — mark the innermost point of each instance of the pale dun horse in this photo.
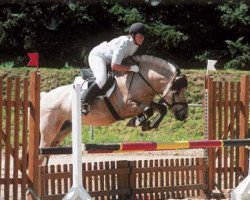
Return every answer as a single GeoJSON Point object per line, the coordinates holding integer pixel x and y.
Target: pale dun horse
{"type": "Point", "coordinates": [132, 94]}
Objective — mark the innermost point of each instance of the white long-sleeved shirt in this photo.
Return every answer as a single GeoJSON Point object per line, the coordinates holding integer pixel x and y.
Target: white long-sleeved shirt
{"type": "Point", "coordinates": [116, 50]}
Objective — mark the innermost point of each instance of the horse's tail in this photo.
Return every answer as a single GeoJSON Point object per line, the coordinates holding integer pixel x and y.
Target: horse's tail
{"type": "Point", "coordinates": [42, 94]}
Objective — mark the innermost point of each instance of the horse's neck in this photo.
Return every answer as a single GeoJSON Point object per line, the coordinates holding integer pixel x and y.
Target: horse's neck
{"type": "Point", "coordinates": [132, 86]}
{"type": "Point", "coordinates": [157, 77]}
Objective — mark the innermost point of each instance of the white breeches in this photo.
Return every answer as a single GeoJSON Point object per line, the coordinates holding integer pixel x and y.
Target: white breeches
{"type": "Point", "coordinates": [99, 68]}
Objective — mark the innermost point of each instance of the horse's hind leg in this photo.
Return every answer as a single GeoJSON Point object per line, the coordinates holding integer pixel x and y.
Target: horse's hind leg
{"type": "Point", "coordinates": [64, 131]}
{"type": "Point", "coordinates": [50, 125]}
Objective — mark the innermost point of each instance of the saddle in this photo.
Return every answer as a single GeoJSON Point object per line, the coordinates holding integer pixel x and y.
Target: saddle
{"type": "Point", "coordinates": [89, 78]}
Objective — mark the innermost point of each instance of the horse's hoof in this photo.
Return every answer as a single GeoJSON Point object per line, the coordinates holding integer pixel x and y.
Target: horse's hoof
{"type": "Point", "coordinates": [146, 126]}
{"type": "Point", "coordinates": [131, 122]}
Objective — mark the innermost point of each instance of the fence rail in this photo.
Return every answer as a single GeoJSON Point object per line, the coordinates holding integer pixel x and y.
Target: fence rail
{"type": "Point", "coordinates": [155, 179]}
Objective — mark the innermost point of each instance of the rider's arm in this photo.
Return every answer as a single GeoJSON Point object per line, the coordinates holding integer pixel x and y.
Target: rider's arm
{"type": "Point", "coordinates": [121, 51]}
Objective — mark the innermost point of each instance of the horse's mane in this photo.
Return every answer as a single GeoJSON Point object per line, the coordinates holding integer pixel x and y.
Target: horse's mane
{"type": "Point", "coordinates": [158, 62]}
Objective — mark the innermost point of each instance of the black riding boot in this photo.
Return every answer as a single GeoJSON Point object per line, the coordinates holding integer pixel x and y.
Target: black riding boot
{"type": "Point", "coordinates": [88, 97]}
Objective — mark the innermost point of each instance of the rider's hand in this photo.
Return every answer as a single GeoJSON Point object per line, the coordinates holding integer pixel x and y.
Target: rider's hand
{"type": "Point", "coordinates": [134, 68]}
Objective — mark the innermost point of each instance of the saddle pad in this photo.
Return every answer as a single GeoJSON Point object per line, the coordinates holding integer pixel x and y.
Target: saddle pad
{"type": "Point", "coordinates": [85, 85]}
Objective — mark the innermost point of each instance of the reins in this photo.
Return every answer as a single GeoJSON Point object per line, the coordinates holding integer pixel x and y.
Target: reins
{"type": "Point", "coordinates": [142, 77]}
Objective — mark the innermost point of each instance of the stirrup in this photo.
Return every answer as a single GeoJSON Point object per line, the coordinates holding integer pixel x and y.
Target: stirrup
{"type": "Point", "coordinates": [85, 109]}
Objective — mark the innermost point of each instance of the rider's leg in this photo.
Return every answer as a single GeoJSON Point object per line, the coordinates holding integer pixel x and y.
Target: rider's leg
{"type": "Point", "coordinates": [98, 66]}
{"type": "Point", "coordinates": [89, 97]}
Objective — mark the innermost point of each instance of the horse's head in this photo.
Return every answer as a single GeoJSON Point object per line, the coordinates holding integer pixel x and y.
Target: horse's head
{"type": "Point", "coordinates": [174, 96]}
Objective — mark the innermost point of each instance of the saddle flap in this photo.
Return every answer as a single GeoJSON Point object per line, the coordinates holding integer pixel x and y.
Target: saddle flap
{"type": "Point", "coordinates": [107, 90]}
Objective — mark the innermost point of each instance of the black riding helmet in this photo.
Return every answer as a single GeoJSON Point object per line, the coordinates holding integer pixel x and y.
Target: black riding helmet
{"type": "Point", "coordinates": [137, 28]}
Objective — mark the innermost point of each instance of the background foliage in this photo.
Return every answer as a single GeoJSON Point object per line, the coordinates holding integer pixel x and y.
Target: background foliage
{"type": "Point", "coordinates": [63, 32]}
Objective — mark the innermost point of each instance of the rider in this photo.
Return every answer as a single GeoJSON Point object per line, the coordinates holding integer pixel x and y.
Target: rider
{"type": "Point", "coordinates": [113, 53]}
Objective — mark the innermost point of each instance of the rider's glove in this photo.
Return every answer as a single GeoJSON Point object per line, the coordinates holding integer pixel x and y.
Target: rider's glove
{"type": "Point", "coordinates": [134, 68]}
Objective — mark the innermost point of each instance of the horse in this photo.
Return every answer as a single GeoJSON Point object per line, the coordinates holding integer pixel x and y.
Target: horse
{"type": "Point", "coordinates": [133, 94]}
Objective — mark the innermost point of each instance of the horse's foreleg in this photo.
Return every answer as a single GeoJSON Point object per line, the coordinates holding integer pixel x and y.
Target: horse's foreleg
{"type": "Point", "coordinates": [143, 118]}
{"type": "Point", "coordinates": [162, 110]}
{"type": "Point", "coordinates": [143, 113]}
{"type": "Point", "coordinates": [135, 108]}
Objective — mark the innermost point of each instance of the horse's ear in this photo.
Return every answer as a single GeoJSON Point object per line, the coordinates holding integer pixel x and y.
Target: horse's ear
{"type": "Point", "coordinates": [179, 83]}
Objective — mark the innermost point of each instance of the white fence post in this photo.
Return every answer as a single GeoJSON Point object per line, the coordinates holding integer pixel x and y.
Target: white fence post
{"type": "Point", "coordinates": [77, 192]}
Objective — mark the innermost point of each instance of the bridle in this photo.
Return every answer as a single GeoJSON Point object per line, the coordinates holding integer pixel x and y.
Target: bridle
{"type": "Point", "coordinates": [174, 103]}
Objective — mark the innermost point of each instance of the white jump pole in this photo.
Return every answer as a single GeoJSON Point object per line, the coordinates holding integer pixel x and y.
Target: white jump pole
{"type": "Point", "coordinates": [77, 192]}
{"type": "Point", "coordinates": [242, 191]}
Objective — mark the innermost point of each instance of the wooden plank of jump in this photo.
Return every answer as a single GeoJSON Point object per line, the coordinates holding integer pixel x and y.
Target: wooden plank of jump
{"type": "Point", "coordinates": [16, 137]}
{"type": "Point", "coordinates": [211, 134]}
{"type": "Point", "coordinates": [1, 127]}
{"type": "Point", "coordinates": [189, 174]}
{"type": "Point", "coordinates": [156, 179]}
{"type": "Point", "coordinates": [167, 178]}
{"type": "Point", "coordinates": [52, 181]}
{"type": "Point", "coordinates": [244, 116]}
{"type": "Point", "coordinates": [46, 182]}
{"type": "Point", "coordinates": [182, 175]}
{"type": "Point", "coordinates": [232, 135]}
{"type": "Point", "coordinates": [162, 178]}
{"type": "Point", "coordinates": [172, 174]}
{"type": "Point", "coordinates": [192, 175]}
{"type": "Point", "coordinates": [42, 172]}
{"type": "Point", "coordinates": [220, 133]}
{"type": "Point", "coordinates": [151, 179]}
{"type": "Point", "coordinates": [226, 108]}
{"type": "Point", "coordinates": [177, 177]}
{"type": "Point", "coordinates": [91, 178]}
{"type": "Point", "coordinates": [106, 178]}
{"type": "Point", "coordinates": [65, 179]}
{"type": "Point", "coordinates": [84, 178]}
{"type": "Point", "coordinates": [7, 139]}
{"type": "Point", "coordinates": [95, 179]}
{"type": "Point", "coordinates": [194, 162]}
{"type": "Point", "coordinates": [101, 179]}
{"type": "Point", "coordinates": [59, 180]}
{"type": "Point", "coordinates": [24, 137]}
{"type": "Point", "coordinates": [113, 178]}
{"type": "Point", "coordinates": [237, 131]}
{"type": "Point", "coordinates": [123, 179]}
{"type": "Point", "coordinates": [34, 124]}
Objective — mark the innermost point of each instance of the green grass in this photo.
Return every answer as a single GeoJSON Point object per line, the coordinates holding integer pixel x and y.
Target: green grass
{"type": "Point", "coordinates": [169, 130]}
